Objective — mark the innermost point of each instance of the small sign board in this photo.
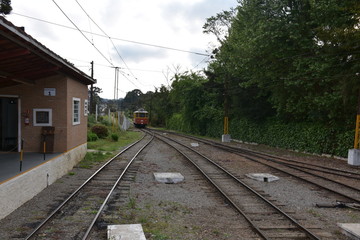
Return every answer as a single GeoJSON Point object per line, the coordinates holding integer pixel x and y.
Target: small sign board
{"type": "Point", "coordinates": [49, 91]}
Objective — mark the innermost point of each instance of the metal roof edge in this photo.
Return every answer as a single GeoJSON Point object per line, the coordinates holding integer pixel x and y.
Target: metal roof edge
{"type": "Point", "coordinates": [17, 31]}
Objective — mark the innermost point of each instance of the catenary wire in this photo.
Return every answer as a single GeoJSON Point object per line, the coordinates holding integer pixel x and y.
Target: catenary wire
{"type": "Point", "coordinates": [83, 33]}
{"type": "Point", "coordinates": [122, 59]}
{"type": "Point", "coordinates": [115, 38]}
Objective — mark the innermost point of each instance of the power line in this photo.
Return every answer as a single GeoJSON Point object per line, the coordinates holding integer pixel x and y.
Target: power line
{"type": "Point", "coordinates": [82, 33]}
{"type": "Point", "coordinates": [122, 59]}
{"type": "Point", "coordinates": [115, 38]}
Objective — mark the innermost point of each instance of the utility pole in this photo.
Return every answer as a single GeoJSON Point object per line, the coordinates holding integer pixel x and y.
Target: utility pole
{"type": "Point", "coordinates": [92, 90]}
{"type": "Point", "coordinates": [226, 136]}
{"type": "Point", "coordinates": [354, 154]}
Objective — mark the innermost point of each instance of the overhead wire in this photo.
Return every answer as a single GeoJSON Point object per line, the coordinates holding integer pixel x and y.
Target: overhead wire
{"type": "Point", "coordinates": [122, 59]}
{"type": "Point", "coordinates": [115, 38]}
{"type": "Point", "coordinates": [82, 33]}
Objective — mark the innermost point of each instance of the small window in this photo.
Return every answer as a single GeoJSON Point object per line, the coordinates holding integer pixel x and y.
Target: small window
{"type": "Point", "coordinates": [42, 117]}
{"type": "Point", "coordinates": [76, 111]}
{"type": "Point", "coordinates": [86, 107]}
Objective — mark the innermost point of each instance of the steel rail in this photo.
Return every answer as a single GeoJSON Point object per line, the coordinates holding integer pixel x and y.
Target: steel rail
{"type": "Point", "coordinates": [223, 146]}
{"type": "Point", "coordinates": [304, 179]}
{"type": "Point", "coordinates": [52, 214]}
{"type": "Point", "coordinates": [87, 233]}
{"type": "Point", "coordinates": [242, 153]}
{"type": "Point", "coordinates": [306, 231]}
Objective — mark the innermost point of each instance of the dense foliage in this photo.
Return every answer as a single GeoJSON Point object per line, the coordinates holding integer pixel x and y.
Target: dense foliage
{"type": "Point", "coordinates": [5, 6]}
{"type": "Point", "coordinates": [286, 73]}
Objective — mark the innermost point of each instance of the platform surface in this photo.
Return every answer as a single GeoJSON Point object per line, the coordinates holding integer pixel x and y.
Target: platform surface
{"type": "Point", "coordinates": [352, 230]}
{"type": "Point", "coordinates": [10, 163]}
{"type": "Point", "coordinates": [168, 177]}
{"type": "Point", "coordinates": [125, 232]}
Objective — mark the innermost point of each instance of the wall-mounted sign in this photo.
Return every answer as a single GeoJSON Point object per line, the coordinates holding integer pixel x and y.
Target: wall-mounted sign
{"type": "Point", "coordinates": [49, 91]}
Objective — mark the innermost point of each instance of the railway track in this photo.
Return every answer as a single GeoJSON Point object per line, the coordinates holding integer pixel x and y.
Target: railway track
{"type": "Point", "coordinates": [342, 184]}
{"type": "Point", "coordinates": [266, 219]}
{"type": "Point", "coordinates": [76, 216]}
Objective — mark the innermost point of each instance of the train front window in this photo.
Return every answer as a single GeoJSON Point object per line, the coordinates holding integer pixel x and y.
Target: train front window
{"type": "Point", "coordinates": [142, 115]}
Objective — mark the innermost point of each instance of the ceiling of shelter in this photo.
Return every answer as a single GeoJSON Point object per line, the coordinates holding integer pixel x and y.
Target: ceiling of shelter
{"type": "Point", "coordinates": [23, 60]}
{"type": "Point", "coordinates": [19, 65]}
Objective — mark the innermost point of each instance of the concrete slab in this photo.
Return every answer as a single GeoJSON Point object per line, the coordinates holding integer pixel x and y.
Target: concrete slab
{"type": "Point", "coordinates": [352, 230]}
{"type": "Point", "coordinates": [168, 177]}
{"type": "Point", "coordinates": [354, 157]}
{"type": "Point", "coordinates": [226, 138]}
{"type": "Point", "coordinates": [194, 144]}
{"type": "Point", "coordinates": [125, 232]}
{"type": "Point", "coordinates": [263, 177]}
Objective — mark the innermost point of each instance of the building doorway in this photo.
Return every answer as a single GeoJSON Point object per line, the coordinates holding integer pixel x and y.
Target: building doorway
{"type": "Point", "coordinates": [8, 124]}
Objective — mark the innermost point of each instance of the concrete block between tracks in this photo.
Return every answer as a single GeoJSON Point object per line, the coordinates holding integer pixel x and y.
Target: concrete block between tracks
{"type": "Point", "coordinates": [354, 157]}
{"type": "Point", "coordinates": [264, 177]}
{"type": "Point", "coordinates": [125, 232]}
{"type": "Point", "coordinates": [352, 230]}
{"type": "Point", "coordinates": [168, 177]}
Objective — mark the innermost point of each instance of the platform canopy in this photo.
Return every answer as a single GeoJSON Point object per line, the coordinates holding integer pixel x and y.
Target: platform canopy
{"type": "Point", "coordinates": [24, 60]}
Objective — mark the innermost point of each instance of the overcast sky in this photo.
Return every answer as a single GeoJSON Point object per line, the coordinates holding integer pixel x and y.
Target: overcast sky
{"type": "Point", "coordinates": [173, 24]}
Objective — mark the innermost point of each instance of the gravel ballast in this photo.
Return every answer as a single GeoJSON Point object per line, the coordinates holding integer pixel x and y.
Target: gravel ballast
{"type": "Point", "coordinates": [191, 209]}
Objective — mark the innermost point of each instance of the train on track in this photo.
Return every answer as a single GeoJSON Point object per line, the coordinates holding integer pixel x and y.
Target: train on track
{"type": "Point", "coordinates": [141, 118]}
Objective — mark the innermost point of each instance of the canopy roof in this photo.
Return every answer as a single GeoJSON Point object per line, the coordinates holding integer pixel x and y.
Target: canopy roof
{"type": "Point", "coordinates": [24, 60]}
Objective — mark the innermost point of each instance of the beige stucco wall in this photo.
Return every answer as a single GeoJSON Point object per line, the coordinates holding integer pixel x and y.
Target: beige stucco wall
{"type": "Point", "coordinates": [77, 134]}
{"type": "Point", "coordinates": [18, 190]}
{"type": "Point", "coordinates": [66, 136]}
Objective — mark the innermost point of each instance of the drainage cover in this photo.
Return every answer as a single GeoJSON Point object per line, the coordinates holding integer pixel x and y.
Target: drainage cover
{"type": "Point", "coordinates": [264, 177]}
{"type": "Point", "coordinates": [126, 232]}
{"type": "Point", "coordinates": [168, 177]}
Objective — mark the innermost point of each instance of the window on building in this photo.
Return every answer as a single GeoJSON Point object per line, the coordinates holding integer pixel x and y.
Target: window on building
{"type": "Point", "coordinates": [42, 117]}
{"type": "Point", "coordinates": [86, 107]}
{"type": "Point", "coordinates": [76, 111]}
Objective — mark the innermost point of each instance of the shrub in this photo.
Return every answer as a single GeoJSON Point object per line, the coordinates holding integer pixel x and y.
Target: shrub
{"type": "Point", "coordinates": [92, 137]}
{"type": "Point", "coordinates": [114, 137]}
{"type": "Point", "coordinates": [100, 130]}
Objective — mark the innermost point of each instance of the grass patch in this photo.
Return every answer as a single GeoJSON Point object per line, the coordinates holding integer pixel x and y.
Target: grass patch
{"type": "Point", "coordinates": [125, 138]}
{"type": "Point", "coordinates": [93, 158]}
{"type": "Point", "coordinates": [157, 219]}
{"type": "Point", "coordinates": [107, 148]}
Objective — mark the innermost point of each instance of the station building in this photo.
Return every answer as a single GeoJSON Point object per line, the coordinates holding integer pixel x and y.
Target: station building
{"type": "Point", "coordinates": [43, 109]}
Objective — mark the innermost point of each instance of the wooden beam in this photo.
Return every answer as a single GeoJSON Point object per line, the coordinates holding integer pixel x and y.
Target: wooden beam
{"type": "Point", "coordinates": [36, 72]}
{"type": "Point", "coordinates": [11, 77]}
{"type": "Point", "coordinates": [13, 53]}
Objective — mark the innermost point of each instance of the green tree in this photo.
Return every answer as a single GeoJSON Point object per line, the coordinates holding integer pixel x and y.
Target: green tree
{"type": "Point", "coordinates": [196, 104]}
{"type": "Point", "coordinates": [299, 57]}
{"type": "Point", "coordinates": [5, 6]}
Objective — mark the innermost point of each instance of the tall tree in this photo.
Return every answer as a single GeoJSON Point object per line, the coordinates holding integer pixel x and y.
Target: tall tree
{"type": "Point", "coordinates": [5, 6]}
{"type": "Point", "coordinates": [300, 55]}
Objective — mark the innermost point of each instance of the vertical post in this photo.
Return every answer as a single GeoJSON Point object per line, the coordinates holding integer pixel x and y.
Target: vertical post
{"type": "Point", "coordinates": [354, 154]}
{"type": "Point", "coordinates": [96, 113]}
{"type": "Point", "coordinates": [92, 90]}
{"type": "Point", "coordinates": [226, 136]}
{"type": "Point", "coordinates": [21, 153]}
{"type": "Point", "coordinates": [356, 141]}
{"type": "Point", "coordinates": [44, 146]}
{"type": "Point", "coordinates": [226, 125]}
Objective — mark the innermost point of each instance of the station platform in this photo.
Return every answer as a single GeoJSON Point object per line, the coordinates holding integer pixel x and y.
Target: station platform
{"type": "Point", "coordinates": [10, 163]}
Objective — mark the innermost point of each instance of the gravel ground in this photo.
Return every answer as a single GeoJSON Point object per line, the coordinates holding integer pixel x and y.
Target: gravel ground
{"type": "Point", "coordinates": [191, 209]}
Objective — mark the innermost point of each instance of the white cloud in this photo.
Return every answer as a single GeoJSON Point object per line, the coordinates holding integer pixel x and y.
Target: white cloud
{"type": "Point", "coordinates": [176, 24]}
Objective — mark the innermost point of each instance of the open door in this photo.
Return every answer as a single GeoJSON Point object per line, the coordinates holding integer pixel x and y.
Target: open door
{"type": "Point", "coordinates": [8, 124]}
